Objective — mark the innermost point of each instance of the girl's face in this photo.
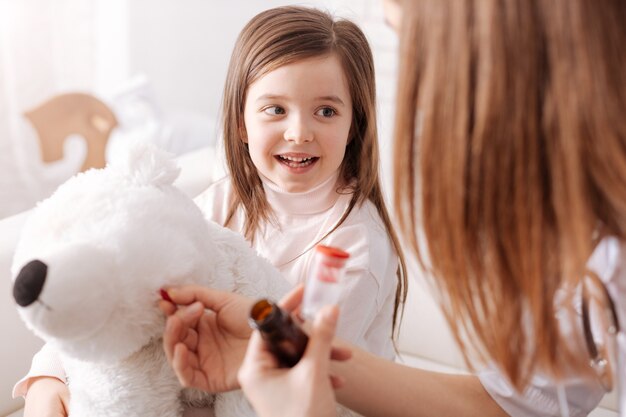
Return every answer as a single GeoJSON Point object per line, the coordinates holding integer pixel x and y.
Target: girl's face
{"type": "Point", "coordinates": [297, 120]}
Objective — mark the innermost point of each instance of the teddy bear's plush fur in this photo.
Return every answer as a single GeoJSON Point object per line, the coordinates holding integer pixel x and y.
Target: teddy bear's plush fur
{"type": "Point", "coordinates": [87, 271]}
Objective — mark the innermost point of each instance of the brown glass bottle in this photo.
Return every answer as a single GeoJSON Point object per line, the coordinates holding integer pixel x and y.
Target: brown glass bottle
{"type": "Point", "coordinates": [283, 337]}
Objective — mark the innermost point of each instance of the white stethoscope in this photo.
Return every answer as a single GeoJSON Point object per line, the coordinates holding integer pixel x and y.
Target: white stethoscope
{"type": "Point", "coordinates": [601, 328]}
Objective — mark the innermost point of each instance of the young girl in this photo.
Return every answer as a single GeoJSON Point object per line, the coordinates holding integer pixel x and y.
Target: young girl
{"type": "Point", "coordinates": [301, 149]}
{"type": "Point", "coordinates": [510, 154]}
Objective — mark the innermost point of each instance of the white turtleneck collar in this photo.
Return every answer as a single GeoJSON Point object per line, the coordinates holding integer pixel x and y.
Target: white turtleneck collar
{"type": "Point", "coordinates": [316, 200]}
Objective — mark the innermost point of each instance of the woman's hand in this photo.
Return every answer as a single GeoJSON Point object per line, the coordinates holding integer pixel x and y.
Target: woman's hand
{"type": "Point", "coordinates": [304, 390]}
{"type": "Point", "coordinates": [206, 347]}
{"type": "Point", "coordinates": [47, 397]}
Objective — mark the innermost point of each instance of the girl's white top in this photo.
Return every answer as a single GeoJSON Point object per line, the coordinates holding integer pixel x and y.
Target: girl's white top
{"type": "Point", "coordinates": [302, 220]}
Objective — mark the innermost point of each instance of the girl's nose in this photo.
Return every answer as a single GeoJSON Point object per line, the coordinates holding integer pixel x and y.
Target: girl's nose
{"type": "Point", "coordinates": [298, 131]}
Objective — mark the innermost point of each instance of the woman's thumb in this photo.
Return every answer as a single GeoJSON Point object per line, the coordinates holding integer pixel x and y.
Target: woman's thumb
{"type": "Point", "coordinates": [323, 332]}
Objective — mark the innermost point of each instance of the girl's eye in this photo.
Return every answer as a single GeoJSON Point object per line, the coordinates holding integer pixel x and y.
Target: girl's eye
{"type": "Point", "coordinates": [326, 112]}
{"type": "Point", "coordinates": [274, 111]}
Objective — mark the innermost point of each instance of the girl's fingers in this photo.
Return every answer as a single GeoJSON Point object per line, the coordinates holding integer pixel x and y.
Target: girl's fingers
{"type": "Point", "coordinates": [212, 299]}
{"type": "Point", "coordinates": [171, 336]}
{"type": "Point", "coordinates": [180, 327]}
{"type": "Point", "coordinates": [180, 363]}
{"type": "Point", "coordinates": [191, 340]}
{"type": "Point", "coordinates": [187, 368]}
{"type": "Point", "coordinates": [189, 315]}
{"type": "Point", "coordinates": [166, 307]}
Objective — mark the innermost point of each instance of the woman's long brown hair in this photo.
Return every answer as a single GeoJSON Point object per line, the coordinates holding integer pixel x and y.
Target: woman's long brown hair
{"type": "Point", "coordinates": [510, 153]}
{"type": "Point", "coordinates": [285, 35]}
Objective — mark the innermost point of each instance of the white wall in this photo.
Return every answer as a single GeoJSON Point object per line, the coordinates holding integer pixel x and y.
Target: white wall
{"type": "Point", "coordinates": [183, 47]}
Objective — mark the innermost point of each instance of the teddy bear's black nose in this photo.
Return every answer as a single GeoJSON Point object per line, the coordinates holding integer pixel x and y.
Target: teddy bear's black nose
{"type": "Point", "coordinates": [29, 283]}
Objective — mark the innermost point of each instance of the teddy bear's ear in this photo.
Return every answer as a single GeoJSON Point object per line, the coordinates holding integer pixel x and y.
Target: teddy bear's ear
{"type": "Point", "coordinates": [145, 164]}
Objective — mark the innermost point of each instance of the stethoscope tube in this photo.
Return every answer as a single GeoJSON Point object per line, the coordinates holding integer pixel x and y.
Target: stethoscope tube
{"type": "Point", "coordinates": [607, 360]}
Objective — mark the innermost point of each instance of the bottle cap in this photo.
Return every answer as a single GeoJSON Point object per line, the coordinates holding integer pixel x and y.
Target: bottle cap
{"type": "Point", "coordinates": [332, 252]}
{"type": "Point", "coordinates": [333, 257]}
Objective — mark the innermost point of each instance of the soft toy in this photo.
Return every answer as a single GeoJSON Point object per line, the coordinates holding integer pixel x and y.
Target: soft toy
{"type": "Point", "coordinates": [88, 268]}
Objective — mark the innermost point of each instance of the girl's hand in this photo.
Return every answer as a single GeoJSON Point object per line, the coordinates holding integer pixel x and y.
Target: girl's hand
{"type": "Point", "coordinates": [304, 390]}
{"type": "Point", "coordinates": [47, 397]}
{"type": "Point", "coordinates": [206, 347]}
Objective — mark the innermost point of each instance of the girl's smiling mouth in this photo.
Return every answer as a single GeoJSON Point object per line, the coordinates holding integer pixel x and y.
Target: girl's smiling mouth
{"type": "Point", "coordinates": [296, 161]}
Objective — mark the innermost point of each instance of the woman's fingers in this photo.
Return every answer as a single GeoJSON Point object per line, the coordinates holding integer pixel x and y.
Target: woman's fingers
{"type": "Point", "coordinates": [320, 342]}
{"type": "Point", "coordinates": [338, 353]}
{"type": "Point", "coordinates": [337, 381]}
{"type": "Point", "coordinates": [259, 354]}
{"type": "Point", "coordinates": [293, 299]}
{"type": "Point", "coordinates": [257, 363]}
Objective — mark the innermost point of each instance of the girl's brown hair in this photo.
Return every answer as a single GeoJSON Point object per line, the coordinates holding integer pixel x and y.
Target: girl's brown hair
{"type": "Point", "coordinates": [285, 35]}
{"type": "Point", "coordinates": [510, 155]}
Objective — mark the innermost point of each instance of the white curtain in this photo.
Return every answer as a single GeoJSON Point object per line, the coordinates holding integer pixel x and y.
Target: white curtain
{"type": "Point", "coordinates": [46, 47]}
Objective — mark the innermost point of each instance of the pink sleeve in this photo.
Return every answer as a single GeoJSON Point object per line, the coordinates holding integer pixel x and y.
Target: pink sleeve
{"type": "Point", "coordinates": [46, 362]}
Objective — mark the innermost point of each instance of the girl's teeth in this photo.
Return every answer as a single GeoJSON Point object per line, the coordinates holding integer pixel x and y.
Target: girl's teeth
{"type": "Point", "coordinates": [296, 162]}
{"type": "Point", "coordinates": [291, 158]}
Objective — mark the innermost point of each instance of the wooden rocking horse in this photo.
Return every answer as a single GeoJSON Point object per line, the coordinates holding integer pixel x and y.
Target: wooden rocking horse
{"type": "Point", "coordinates": [73, 113]}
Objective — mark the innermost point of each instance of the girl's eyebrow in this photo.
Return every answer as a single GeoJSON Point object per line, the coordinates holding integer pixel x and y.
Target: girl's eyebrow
{"type": "Point", "coordinates": [332, 98]}
{"type": "Point", "coordinates": [270, 97]}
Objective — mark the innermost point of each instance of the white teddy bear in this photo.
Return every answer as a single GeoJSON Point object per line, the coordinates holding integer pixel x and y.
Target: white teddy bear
{"type": "Point", "coordinates": [88, 268]}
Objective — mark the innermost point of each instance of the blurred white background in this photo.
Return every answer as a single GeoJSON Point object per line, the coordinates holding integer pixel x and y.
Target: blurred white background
{"type": "Point", "coordinates": [159, 64]}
